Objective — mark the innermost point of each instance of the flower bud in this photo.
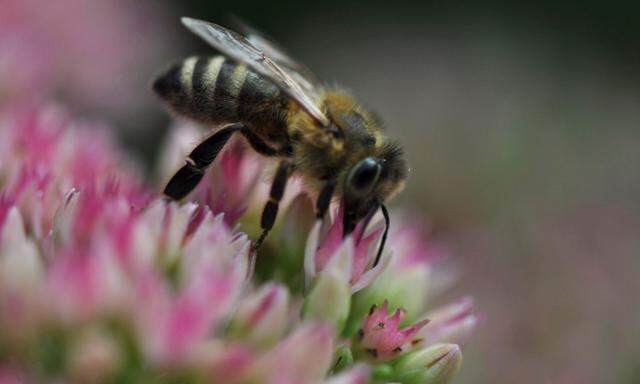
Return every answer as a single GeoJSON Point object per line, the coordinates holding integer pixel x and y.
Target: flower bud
{"type": "Point", "coordinates": [453, 323]}
{"type": "Point", "coordinates": [408, 280]}
{"type": "Point", "coordinates": [329, 300]}
{"type": "Point", "coordinates": [304, 356]}
{"type": "Point", "coordinates": [380, 337]}
{"type": "Point", "coordinates": [262, 317]}
{"type": "Point", "coordinates": [382, 372]}
{"type": "Point", "coordinates": [343, 358]}
{"type": "Point", "coordinates": [356, 375]}
{"type": "Point", "coordinates": [402, 289]}
{"type": "Point", "coordinates": [20, 266]}
{"type": "Point", "coordinates": [436, 364]}
{"type": "Point", "coordinates": [326, 238]}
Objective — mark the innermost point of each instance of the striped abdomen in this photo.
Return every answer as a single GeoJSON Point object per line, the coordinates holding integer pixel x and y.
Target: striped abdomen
{"type": "Point", "coordinates": [215, 90]}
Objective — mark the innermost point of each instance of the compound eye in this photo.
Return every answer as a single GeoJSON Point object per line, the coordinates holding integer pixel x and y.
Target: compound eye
{"type": "Point", "coordinates": [364, 175]}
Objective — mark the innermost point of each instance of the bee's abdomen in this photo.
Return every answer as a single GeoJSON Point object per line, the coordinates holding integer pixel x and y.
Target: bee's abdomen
{"type": "Point", "coordinates": [216, 90]}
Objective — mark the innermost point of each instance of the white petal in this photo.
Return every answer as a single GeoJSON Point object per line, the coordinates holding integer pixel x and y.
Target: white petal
{"type": "Point", "coordinates": [146, 234]}
{"type": "Point", "coordinates": [179, 218]}
{"type": "Point", "coordinates": [341, 261]}
{"type": "Point", "coordinates": [183, 138]}
{"type": "Point", "coordinates": [310, 252]}
{"type": "Point", "coordinates": [112, 281]}
{"type": "Point", "coordinates": [244, 262]}
{"type": "Point", "coordinates": [20, 265]}
{"type": "Point", "coordinates": [368, 277]}
{"type": "Point", "coordinates": [62, 218]}
{"type": "Point", "coordinates": [358, 374]}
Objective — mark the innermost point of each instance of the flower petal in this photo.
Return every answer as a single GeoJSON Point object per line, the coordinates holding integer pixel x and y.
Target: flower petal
{"type": "Point", "coordinates": [20, 265]}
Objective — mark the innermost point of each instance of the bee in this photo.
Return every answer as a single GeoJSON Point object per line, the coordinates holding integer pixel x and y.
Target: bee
{"type": "Point", "coordinates": [320, 133]}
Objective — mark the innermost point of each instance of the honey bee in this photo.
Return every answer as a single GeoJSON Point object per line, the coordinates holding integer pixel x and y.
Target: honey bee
{"type": "Point", "coordinates": [320, 133]}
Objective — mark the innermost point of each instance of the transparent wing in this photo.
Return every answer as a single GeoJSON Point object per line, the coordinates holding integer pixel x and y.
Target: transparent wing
{"type": "Point", "coordinates": [277, 53]}
{"type": "Point", "coordinates": [239, 48]}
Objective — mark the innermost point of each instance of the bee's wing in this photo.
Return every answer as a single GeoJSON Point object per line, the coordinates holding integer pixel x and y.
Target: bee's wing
{"type": "Point", "coordinates": [239, 48]}
{"type": "Point", "coordinates": [277, 53]}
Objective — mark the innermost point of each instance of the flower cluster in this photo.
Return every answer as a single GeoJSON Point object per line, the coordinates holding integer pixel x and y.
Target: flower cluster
{"type": "Point", "coordinates": [94, 54]}
{"type": "Point", "coordinates": [102, 280]}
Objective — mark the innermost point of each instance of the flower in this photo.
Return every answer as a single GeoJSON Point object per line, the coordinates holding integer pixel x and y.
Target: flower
{"type": "Point", "coordinates": [452, 323]}
{"type": "Point", "coordinates": [303, 357]}
{"type": "Point", "coordinates": [414, 258]}
{"type": "Point", "coordinates": [380, 337]}
{"type": "Point", "coordinates": [325, 240]}
{"type": "Point", "coordinates": [434, 365]}
{"type": "Point", "coordinates": [262, 316]}
{"type": "Point", "coordinates": [88, 50]}
{"type": "Point", "coordinates": [329, 299]}
{"type": "Point", "coordinates": [103, 280]}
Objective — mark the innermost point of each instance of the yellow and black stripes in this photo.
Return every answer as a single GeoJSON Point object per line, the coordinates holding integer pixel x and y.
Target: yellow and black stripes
{"type": "Point", "coordinates": [216, 90]}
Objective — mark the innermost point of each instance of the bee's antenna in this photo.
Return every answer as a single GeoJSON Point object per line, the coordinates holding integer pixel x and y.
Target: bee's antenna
{"type": "Point", "coordinates": [387, 223]}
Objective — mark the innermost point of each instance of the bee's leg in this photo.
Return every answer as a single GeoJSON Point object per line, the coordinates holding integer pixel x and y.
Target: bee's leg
{"type": "Point", "coordinates": [324, 198]}
{"type": "Point", "coordinates": [188, 177]}
{"type": "Point", "coordinates": [257, 143]}
{"type": "Point", "coordinates": [270, 210]}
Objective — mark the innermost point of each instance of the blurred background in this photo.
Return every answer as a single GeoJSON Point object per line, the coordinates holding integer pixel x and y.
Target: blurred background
{"type": "Point", "coordinates": [521, 121]}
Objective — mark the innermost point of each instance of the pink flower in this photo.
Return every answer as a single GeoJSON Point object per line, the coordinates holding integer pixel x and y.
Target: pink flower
{"type": "Point", "coordinates": [380, 337]}
{"type": "Point", "coordinates": [438, 363]}
{"type": "Point", "coordinates": [303, 357]}
{"type": "Point", "coordinates": [359, 374]}
{"type": "Point", "coordinates": [325, 240]}
{"type": "Point", "coordinates": [101, 251]}
{"type": "Point", "coordinates": [261, 318]}
{"type": "Point", "coordinates": [10, 375]}
{"type": "Point", "coordinates": [91, 51]}
{"type": "Point", "coordinates": [452, 323]}
{"type": "Point", "coordinates": [404, 286]}
{"type": "Point", "coordinates": [412, 243]}
{"type": "Point", "coordinates": [44, 156]}
{"type": "Point", "coordinates": [118, 281]}
{"type": "Point", "coordinates": [415, 273]}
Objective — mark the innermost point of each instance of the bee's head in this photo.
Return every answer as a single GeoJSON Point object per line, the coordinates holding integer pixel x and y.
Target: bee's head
{"type": "Point", "coordinates": [372, 181]}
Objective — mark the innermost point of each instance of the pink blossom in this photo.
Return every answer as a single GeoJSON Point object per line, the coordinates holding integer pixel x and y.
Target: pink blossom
{"type": "Point", "coordinates": [412, 242]}
{"type": "Point", "coordinates": [325, 240]}
{"type": "Point", "coordinates": [174, 272]}
{"type": "Point", "coordinates": [45, 156]}
{"type": "Point", "coordinates": [452, 323]}
{"type": "Point", "coordinates": [262, 316]}
{"type": "Point", "coordinates": [113, 277]}
{"type": "Point", "coordinates": [359, 374]}
{"type": "Point", "coordinates": [89, 50]}
{"type": "Point", "coordinates": [303, 357]}
{"type": "Point", "coordinates": [380, 337]}
{"type": "Point", "coordinates": [10, 375]}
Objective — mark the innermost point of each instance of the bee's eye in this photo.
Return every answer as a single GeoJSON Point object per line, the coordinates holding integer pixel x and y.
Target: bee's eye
{"type": "Point", "coordinates": [364, 175]}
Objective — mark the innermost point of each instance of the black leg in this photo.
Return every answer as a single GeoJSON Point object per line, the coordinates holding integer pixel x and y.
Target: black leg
{"type": "Point", "coordinates": [257, 143]}
{"type": "Point", "coordinates": [270, 211]}
{"type": "Point", "coordinates": [188, 177]}
{"type": "Point", "coordinates": [183, 182]}
{"type": "Point", "coordinates": [324, 198]}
